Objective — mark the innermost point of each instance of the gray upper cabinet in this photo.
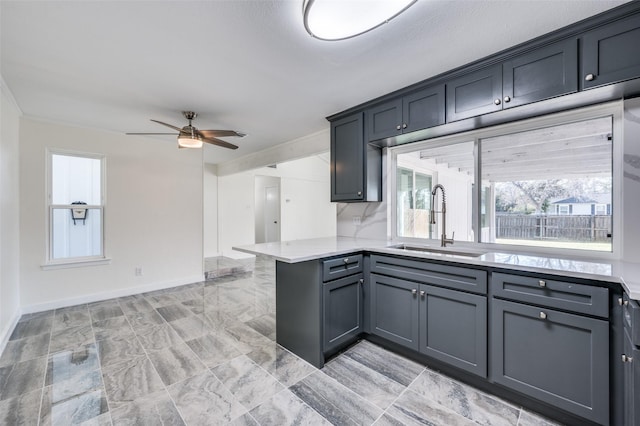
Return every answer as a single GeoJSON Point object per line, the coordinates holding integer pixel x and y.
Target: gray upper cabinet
{"type": "Point", "coordinates": [476, 93]}
{"type": "Point", "coordinates": [415, 111]}
{"type": "Point", "coordinates": [611, 53]}
{"type": "Point", "coordinates": [356, 167]}
{"type": "Point", "coordinates": [540, 74]}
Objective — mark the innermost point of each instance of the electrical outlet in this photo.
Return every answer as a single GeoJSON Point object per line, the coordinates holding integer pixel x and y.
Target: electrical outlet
{"type": "Point", "coordinates": [357, 220]}
{"type": "Point", "coordinates": [138, 271]}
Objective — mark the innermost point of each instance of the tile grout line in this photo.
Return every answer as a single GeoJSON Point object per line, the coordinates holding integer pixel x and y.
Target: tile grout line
{"type": "Point", "coordinates": [104, 387]}
{"type": "Point", "coordinates": [135, 333]}
{"type": "Point", "coordinates": [46, 367]}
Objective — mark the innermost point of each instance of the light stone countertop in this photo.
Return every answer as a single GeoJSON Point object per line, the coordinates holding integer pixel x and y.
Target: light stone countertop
{"type": "Point", "coordinates": [625, 273]}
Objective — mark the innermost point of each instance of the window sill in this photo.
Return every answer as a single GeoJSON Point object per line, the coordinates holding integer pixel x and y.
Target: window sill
{"type": "Point", "coordinates": [75, 264]}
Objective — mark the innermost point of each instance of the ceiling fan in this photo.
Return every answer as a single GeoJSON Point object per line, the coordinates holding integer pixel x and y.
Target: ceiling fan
{"type": "Point", "coordinates": [190, 137]}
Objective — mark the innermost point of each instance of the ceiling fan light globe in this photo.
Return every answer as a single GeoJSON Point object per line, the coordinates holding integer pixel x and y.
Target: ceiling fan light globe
{"type": "Point", "coordinates": [187, 141]}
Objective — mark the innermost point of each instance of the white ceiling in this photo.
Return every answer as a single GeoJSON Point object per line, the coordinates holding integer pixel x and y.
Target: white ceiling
{"type": "Point", "coordinates": [242, 65]}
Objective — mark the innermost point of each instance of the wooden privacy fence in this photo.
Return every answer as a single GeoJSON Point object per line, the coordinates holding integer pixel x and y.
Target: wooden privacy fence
{"type": "Point", "coordinates": [554, 227]}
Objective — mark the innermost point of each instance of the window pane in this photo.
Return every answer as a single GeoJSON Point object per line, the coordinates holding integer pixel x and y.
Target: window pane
{"type": "Point", "coordinates": [75, 179]}
{"type": "Point", "coordinates": [404, 203]}
{"type": "Point", "coordinates": [79, 237]}
{"type": "Point", "coordinates": [451, 166]}
{"type": "Point", "coordinates": [552, 187]}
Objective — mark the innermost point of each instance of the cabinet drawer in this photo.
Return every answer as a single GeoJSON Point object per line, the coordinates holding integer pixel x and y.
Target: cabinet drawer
{"type": "Point", "coordinates": [579, 298]}
{"type": "Point", "coordinates": [631, 315]}
{"type": "Point", "coordinates": [458, 278]}
{"type": "Point", "coordinates": [341, 267]}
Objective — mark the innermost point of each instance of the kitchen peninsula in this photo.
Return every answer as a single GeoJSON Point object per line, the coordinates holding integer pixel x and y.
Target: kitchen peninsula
{"type": "Point", "coordinates": [531, 328]}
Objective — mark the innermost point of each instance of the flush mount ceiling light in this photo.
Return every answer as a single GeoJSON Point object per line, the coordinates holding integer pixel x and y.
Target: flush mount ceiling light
{"type": "Point", "coordinates": [343, 19]}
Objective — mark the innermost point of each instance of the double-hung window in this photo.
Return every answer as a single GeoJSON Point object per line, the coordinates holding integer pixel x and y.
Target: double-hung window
{"type": "Point", "coordinates": [75, 207]}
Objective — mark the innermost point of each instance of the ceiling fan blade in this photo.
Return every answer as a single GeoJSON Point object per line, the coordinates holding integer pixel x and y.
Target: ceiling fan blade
{"type": "Point", "coordinates": [178, 129]}
{"type": "Point", "coordinates": [220, 133]}
{"type": "Point", "coordinates": [137, 133]}
{"type": "Point", "coordinates": [219, 142]}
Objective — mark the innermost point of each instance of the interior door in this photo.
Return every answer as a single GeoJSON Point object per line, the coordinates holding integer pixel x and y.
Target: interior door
{"type": "Point", "coordinates": [272, 214]}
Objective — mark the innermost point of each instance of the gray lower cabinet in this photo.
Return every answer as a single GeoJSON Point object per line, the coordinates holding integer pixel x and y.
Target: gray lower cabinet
{"type": "Point", "coordinates": [631, 360]}
{"type": "Point", "coordinates": [445, 324]}
{"type": "Point", "coordinates": [343, 312]}
{"type": "Point", "coordinates": [453, 328]}
{"type": "Point", "coordinates": [394, 310]}
{"type": "Point", "coordinates": [319, 305]}
{"type": "Point", "coordinates": [556, 357]}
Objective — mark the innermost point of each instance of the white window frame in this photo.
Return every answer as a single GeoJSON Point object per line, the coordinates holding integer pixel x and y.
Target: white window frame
{"type": "Point", "coordinates": [73, 262]}
{"type": "Point", "coordinates": [613, 109]}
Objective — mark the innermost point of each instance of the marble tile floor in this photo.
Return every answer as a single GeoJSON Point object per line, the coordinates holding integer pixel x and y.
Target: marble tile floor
{"type": "Point", "coordinates": [220, 266]}
{"type": "Point", "coordinates": [205, 354]}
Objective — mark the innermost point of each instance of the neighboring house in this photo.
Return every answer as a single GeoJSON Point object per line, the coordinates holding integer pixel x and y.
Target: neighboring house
{"type": "Point", "coordinates": [599, 204]}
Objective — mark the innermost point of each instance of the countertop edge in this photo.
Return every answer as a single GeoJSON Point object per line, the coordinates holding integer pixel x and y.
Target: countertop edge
{"type": "Point", "coordinates": [381, 247]}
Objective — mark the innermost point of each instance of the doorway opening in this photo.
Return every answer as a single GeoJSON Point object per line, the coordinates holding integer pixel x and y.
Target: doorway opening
{"type": "Point", "coordinates": [267, 209]}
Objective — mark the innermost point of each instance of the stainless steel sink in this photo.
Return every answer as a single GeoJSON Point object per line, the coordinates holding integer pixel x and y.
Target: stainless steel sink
{"type": "Point", "coordinates": [437, 250]}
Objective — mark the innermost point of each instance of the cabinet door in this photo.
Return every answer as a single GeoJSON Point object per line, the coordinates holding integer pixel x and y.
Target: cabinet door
{"type": "Point", "coordinates": [453, 328]}
{"type": "Point", "coordinates": [631, 382]}
{"type": "Point", "coordinates": [476, 93]}
{"type": "Point", "coordinates": [423, 109]}
{"type": "Point", "coordinates": [394, 310]}
{"type": "Point", "coordinates": [384, 121]}
{"type": "Point", "coordinates": [558, 358]}
{"type": "Point", "coordinates": [347, 159]}
{"type": "Point", "coordinates": [342, 311]}
{"type": "Point", "coordinates": [541, 74]}
{"type": "Point", "coordinates": [611, 53]}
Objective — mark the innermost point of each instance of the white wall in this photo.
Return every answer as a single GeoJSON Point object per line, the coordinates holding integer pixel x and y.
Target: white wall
{"type": "Point", "coordinates": [210, 201]}
{"type": "Point", "coordinates": [631, 181]}
{"type": "Point", "coordinates": [305, 210]}
{"type": "Point", "coordinates": [9, 216]}
{"type": "Point", "coordinates": [153, 216]}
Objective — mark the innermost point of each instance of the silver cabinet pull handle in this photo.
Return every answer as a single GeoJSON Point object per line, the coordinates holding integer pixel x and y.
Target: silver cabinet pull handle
{"type": "Point", "coordinates": [345, 260]}
{"type": "Point", "coordinates": [497, 101]}
{"type": "Point", "coordinates": [361, 280]}
{"type": "Point", "coordinates": [414, 291]}
{"type": "Point", "coordinates": [542, 283]}
{"type": "Point", "coordinates": [422, 293]}
{"type": "Point", "coordinates": [404, 125]}
{"type": "Point", "coordinates": [626, 358]}
{"type": "Point", "coordinates": [589, 77]}
{"type": "Point", "coordinates": [398, 127]}
{"type": "Point", "coordinates": [620, 301]}
{"type": "Point", "coordinates": [359, 193]}
{"type": "Point", "coordinates": [507, 99]}
{"type": "Point", "coordinates": [543, 315]}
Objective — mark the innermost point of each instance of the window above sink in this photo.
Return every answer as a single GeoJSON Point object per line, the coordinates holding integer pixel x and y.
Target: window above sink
{"type": "Point", "coordinates": [545, 184]}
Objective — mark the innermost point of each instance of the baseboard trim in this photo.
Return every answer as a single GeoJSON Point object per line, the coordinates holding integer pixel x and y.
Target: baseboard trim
{"type": "Point", "coordinates": [8, 330]}
{"type": "Point", "coordinates": [105, 295]}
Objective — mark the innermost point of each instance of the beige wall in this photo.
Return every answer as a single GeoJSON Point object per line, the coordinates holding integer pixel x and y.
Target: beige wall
{"type": "Point", "coordinates": [9, 216]}
{"type": "Point", "coordinates": [153, 216]}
